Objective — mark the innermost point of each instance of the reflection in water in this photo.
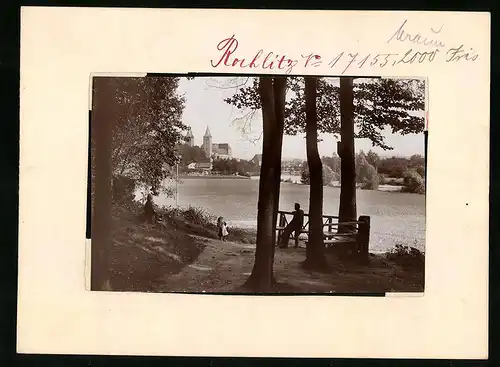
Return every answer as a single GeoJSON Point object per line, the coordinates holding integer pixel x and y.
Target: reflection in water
{"type": "Point", "coordinates": [396, 218]}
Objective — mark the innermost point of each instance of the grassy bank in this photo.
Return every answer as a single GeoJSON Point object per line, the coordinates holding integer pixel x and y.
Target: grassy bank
{"type": "Point", "coordinates": [141, 254]}
{"type": "Point", "coordinates": [199, 222]}
{"type": "Point", "coordinates": [182, 253]}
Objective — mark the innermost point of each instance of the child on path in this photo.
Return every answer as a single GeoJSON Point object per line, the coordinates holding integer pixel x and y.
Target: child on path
{"type": "Point", "coordinates": [225, 233]}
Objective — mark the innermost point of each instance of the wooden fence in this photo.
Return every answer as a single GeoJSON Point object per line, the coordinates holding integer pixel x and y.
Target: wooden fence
{"type": "Point", "coordinates": [355, 233]}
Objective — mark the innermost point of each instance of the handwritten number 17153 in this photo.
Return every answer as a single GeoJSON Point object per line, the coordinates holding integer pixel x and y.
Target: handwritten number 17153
{"type": "Point", "coordinates": [379, 60]}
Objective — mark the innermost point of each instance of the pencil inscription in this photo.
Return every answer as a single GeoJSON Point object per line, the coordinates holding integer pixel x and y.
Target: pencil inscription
{"type": "Point", "coordinates": [403, 35]}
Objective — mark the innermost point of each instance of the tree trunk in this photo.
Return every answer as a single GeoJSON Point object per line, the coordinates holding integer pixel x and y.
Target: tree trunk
{"type": "Point", "coordinates": [347, 209]}
{"type": "Point", "coordinates": [315, 256]}
{"type": "Point", "coordinates": [279, 88]}
{"type": "Point", "coordinates": [102, 125]}
{"type": "Point", "coordinates": [261, 277]}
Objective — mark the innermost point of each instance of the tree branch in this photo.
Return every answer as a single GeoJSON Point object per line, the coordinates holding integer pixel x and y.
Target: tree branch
{"type": "Point", "coordinates": [219, 86]}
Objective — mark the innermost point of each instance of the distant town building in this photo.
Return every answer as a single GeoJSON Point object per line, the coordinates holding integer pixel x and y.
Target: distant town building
{"type": "Point", "coordinates": [190, 138]}
{"type": "Point", "coordinates": [221, 150]}
{"type": "Point", "coordinates": [200, 166]}
{"type": "Point", "coordinates": [204, 166]}
{"type": "Point", "coordinates": [207, 143]}
{"type": "Point", "coordinates": [212, 150]}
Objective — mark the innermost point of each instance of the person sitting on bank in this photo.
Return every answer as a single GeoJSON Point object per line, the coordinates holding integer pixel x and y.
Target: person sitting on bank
{"type": "Point", "coordinates": [149, 210]}
{"type": "Point", "coordinates": [295, 226]}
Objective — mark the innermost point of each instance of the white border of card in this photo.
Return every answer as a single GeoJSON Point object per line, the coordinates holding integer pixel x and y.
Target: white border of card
{"type": "Point", "coordinates": [62, 47]}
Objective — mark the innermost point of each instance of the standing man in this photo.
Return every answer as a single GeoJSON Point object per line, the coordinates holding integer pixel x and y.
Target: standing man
{"type": "Point", "coordinates": [294, 226]}
{"type": "Point", "coordinates": [149, 210]}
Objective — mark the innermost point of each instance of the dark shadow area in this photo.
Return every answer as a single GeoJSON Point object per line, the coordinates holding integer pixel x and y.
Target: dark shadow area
{"type": "Point", "coordinates": [142, 254]}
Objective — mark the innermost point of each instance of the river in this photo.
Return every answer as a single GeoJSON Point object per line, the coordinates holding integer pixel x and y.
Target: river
{"type": "Point", "coordinates": [396, 218]}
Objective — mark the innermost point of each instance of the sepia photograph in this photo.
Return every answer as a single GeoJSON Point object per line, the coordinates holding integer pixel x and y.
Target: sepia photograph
{"type": "Point", "coordinates": [179, 168]}
{"type": "Point", "coordinates": [251, 184]}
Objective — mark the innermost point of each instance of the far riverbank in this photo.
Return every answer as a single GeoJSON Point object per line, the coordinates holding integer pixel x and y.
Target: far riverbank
{"type": "Point", "coordinates": [231, 177]}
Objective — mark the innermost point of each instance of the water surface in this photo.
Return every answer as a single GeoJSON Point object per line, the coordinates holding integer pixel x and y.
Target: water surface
{"type": "Point", "coordinates": [396, 218]}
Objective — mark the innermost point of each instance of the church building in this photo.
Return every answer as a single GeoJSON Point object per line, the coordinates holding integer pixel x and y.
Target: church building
{"type": "Point", "coordinates": [212, 150]}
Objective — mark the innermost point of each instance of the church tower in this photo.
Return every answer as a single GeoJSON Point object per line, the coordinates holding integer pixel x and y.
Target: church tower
{"type": "Point", "coordinates": [190, 138]}
{"type": "Point", "coordinates": [207, 143]}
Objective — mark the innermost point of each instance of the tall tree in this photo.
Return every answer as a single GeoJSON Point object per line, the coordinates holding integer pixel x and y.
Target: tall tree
{"type": "Point", "coordinates": [315, 257]}
{"type": "Point", "coordinates": [295, 121]}
{"type": "Point", "coordinates": [347, 206]}
{"type": "Point", "coordinates": [135, 127]}
{"type": "Point", "coordinates": [279, 89]}
{"type": "Point", "coordinates": [104, 109]}
{"type": "Point", "coordinates": [148, 128]}
{"type": "Point", "coordinates": [261, 278]}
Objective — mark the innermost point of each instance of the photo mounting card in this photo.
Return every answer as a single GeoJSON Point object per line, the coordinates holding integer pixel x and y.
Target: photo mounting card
{"type": "Point", "coordinates": [215, 88]}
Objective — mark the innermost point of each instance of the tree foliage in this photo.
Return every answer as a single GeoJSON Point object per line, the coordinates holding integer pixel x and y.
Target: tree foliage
{"type": "Point", "coordinates": [366, 174]}
{"type": "Point", "coordinates": [329, 176]}
{"type": "Point", "coordinates": [247, 97]}
{"type": "Point", "coordinates": [147, 127]}
{"type": "Point", "coordinates": [396, 166]}
{"type": "Point", "coordinates": [378, 104]}
{"type": "Point", "coordinates": [413, 182]}
{"type": "Point", "coordinates": [387, 103]}
{"type": "Point", "coordinates": [333, 163]}
{"type": "Point", "coordinates": [373, 158]}
{"type": "Point", "coordinates": [234, 166]}
{"type": "Point", "coordinates": [192, 154]}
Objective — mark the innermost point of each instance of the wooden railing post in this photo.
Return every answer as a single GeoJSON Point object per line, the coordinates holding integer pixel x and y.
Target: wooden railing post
{"type": "Point", "coordinates": [363, 238]}
{"type": "Point", "coordinates": [281, 224]}
{"type": "Point", "coordinates": [330, 222]}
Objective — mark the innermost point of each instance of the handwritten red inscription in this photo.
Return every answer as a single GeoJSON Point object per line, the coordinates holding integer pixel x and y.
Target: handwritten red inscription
{"type": "Point", "coordinates": [268, 61]}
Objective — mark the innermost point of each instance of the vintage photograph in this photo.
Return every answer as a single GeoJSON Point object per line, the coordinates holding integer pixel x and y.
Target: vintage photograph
{"type": "Point", "coordinates": [252, 184]}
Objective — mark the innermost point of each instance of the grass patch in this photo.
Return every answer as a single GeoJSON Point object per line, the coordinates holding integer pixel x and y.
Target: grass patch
{"type": "Point", "coordinates": [199, 222]}
{"type": "Point", "coordinates": [142, 254]}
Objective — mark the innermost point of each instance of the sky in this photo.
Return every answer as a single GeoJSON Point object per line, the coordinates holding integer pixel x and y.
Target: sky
{"type": "Point", "coordinates": [205, 106]}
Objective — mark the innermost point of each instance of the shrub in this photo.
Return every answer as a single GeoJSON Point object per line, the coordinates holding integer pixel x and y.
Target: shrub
{"type": "Point", "coordinates": [420, 170]}
{"type": "Point", "coordinates": [191, 214]}
{"type": "Point", "coordinates": [366, 174]}
{"type": "Point", "coordinates": [406, 256]}
{"type": "Point", "coordinates": [304, 176]}
{"type": "Point", "coordinates": [413, 182]}
{"type": "Point", "coordinates": [198, 216]}
{"type": "Point", "coordinates": [329, 176]}
{"type": "Point", "coordinates": [123, 189]}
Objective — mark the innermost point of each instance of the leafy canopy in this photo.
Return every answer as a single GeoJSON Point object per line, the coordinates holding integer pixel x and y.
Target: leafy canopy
{"type": "Point", "coordinates": [147, 114]}
{"type": "Point", "coordinates": [378, 104]}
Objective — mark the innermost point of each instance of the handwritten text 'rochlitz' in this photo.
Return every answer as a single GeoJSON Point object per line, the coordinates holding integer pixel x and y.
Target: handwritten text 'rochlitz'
{"type": "Point", "coordinates": [343, 61]}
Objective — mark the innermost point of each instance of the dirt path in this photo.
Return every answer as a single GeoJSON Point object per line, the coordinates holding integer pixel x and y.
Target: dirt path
{"type": "Point", "coordinates": [221, 266]}
{"type": "Point", "coordinates": [224, 266]}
